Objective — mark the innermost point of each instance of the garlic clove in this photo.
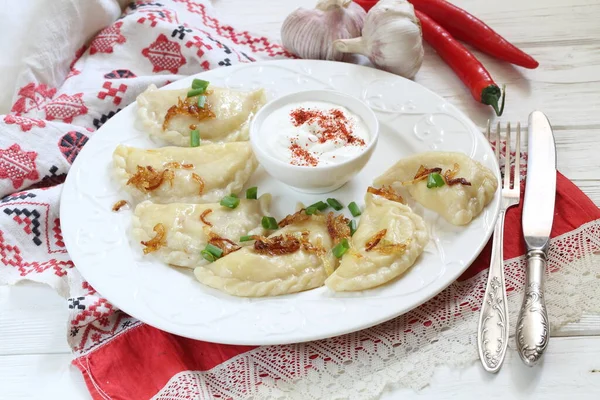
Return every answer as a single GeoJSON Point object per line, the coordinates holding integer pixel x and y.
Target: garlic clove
{"type": "Point", "coordinates": [310, 33]}
{"type": "Point", "coordinates": [391, 38]}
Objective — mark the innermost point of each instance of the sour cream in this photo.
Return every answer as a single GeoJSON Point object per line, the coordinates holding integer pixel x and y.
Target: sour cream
{"type": "Point", "coordinates": [314, 133]}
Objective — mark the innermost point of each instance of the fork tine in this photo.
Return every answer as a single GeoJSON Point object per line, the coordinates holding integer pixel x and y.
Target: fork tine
{"type": "Point", "coordinates": [507, 158]}
{"type": "Point", "coordinates": [487, 131]}
{"type": "Point", "coordinates": [517, 178]}
{"type": "Point", "coordinates": [497, 150]}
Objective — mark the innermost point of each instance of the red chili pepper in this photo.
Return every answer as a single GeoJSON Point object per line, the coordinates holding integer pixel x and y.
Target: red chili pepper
{"type": "Point", "coordinates": [463, 63]}
{"type": "Point", "coordinates": [366, 4]}
{"type": "Point", "coordinates": [468, 28]}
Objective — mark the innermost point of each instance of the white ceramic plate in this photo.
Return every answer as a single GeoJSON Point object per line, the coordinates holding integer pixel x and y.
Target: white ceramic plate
{"type": "Point", "coordinates": [412, 120]}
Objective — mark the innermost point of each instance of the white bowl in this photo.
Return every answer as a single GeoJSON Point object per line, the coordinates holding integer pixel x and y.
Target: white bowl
{"type": "Point", "coordinates": [317, 179]}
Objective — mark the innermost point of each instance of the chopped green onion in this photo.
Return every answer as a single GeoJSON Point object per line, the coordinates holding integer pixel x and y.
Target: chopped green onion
{"type": "Point", "coordinates": [214, 250]}
{"type": "Point", "coordinates": [352, 225]}
{"type": "Point", "coordinates": [336, 205]}
{"type": "Point", "coordinates": [246, 238]}
{"type": "Point", "coordinates": [195, 92]}
{"type": "Point", "coordinates": [201, 101]}
{"type": "Point", "coordinates": [207, 255]}
{"type": "Point", "coordinates": [200, 84]}
{"type": "Point", "coordinates": [194, 138]}
{"type": "Point", "coordinates": [340, 248]}
{"type": "Point", "coordinates": [252, 192]}
{"type": "Point", "coordinates": [319, 205]}
{"type": "Point", "coordinates": [230, 201]}
{"type": "Point", "coordinates": [435, 180]}
{"type": "Point", "coordinates": [269, 223]}
{"type": "Point", "coordinates": [354, 209]}
{"type": "Point", "coordinates": [234, 195]}
{"type": "Point", "coordinates": [311, 210]}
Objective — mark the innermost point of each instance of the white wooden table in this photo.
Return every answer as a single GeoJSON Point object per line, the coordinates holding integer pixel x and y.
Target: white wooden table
{"type": "Point", "coordinates": [564, 36]}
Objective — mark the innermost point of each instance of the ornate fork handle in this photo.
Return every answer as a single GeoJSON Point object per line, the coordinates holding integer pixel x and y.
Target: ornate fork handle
{"type": "Point", "coordinates": [492, 332]}
{"type": "Point", "coordinates": [532, 326]}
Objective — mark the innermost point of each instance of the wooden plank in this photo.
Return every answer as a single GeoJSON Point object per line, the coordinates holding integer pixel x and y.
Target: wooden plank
{"type": "Point", "coordinates": [591, 188]}
{"type": "Point", "coordinates": [565, 86]}
{"type": "Point", "coordinates": [33, 320]}
{"type": "Point", "coordinates": [41, 376]}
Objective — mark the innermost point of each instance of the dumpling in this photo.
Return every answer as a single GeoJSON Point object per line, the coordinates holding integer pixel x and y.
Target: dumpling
{"type": "Point", "coordinates": [228, 118]}
{"type": "Point", "coordinates": [468, 187]}
{"type": "Point", "coordinates": [388, 240]}
{"type": "Point", "coordinates": [185, 175]}
{"type": "Point", "coordinates": [187, 228]}
{"type": "Point", "coordinates": [294, 258]}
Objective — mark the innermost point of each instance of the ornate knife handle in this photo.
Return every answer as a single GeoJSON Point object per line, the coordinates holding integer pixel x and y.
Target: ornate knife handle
{"type": "Point", "coordinates": [492, 332]}
{"type": "Point", "coordinates": [533, 331]}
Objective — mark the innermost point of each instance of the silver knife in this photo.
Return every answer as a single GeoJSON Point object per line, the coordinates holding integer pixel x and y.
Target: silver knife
{"type": "Point", "coordinates": [533, 330]}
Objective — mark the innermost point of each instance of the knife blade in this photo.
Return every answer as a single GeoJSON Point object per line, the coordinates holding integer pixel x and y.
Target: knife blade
{"type": "Point", "coordinates": [540, 189]}
{"type": "Point", "coordinates": [532, 331]}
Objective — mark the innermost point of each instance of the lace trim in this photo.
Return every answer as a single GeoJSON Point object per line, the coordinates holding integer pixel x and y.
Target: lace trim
{"type": "Point", "coordinates": [405, 350]}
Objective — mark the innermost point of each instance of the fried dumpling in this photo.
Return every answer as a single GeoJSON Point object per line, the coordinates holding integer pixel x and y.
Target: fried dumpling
{"type": "Point", "coordinates": [170, 116]}
{"type": "Point", "coordinates": [388, 240]}
{"type": "Point", "coordinates": [292, 259]}
{"type": "Point", "coordinates": [467, 188]}
{"type": "Point", "coordinates": [176, 233]}
{"type": "Point", "coordinates": [184, 174]}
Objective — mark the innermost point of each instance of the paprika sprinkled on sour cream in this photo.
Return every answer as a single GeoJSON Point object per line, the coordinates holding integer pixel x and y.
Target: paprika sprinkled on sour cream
{"type": "Point", "coordinates": [314, 133]}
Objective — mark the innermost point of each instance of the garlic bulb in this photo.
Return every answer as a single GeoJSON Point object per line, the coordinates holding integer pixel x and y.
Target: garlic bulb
{"type": "Point", "coordinates": [310, 33]}
{"type": "Point", "coordinates": [391, 38]}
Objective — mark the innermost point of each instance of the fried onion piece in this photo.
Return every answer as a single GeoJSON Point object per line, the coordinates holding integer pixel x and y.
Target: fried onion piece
{"type": "Point", "coordinates": [188, 107]}
{"type": "Point", "coordinates": [204, 214]}
{"type": "Point", "coordinates": [176, 165]}
{"type": "Point", "coordinates": [423, 172]}
{"type": "Point", "coordinates": [159, 240]}
{"type": "Point", "coordinates": [317, 249]}
{"type": "Point", "coordinates": [374, 241]}
{"type": "Point", "coordinates": [277, 245]}
{"type": "Point", "coordinates": [147, 179]}
{"type": "Point", "coordinates": [456, 181]}
{"type": "Point", "coordinates": [297, 217]}
{"type": "Point", "coordinates": [389, 248]}
{"type": "Point", "coordinates": [337, 227]}
{"type": "Point", "coordinates": [118, 205]}
{"type": "Point", "coordinates": [198, 179]}
{"type": "Point", "coordinates": [386, 192]}
{"type": "Point", "coordinates": [228, 246]}
{"type": "Point", "coordinates": [449, 177]}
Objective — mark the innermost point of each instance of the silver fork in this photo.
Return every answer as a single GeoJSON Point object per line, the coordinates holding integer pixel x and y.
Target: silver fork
{"type": "Point", "coordinates": [492, 332]}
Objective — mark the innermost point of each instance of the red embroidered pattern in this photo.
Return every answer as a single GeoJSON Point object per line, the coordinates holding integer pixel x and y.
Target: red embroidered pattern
{"type": "Point", "coordinates": [198, 43]}
{"type": "Point", "coordinates": [258, 45]}
{"type": "Point", "coordinates": [101, 308]}
{"type": "Point", "coordinates": [18, 165]}
{"type": "Point", "coordinates": [11, 255]}
{"type": "Point", "coordinates": [32, 97]}
{"type": "Point", "coordinates": [160, 14]}
{"type": "Point", "coordinates": [164, 55]}
{"type": "Point", "coordinates": [24, 122]}
{"type": "Point", "coordinates": [51, 247]}
{"type": "Point", "coordinates": [66, 107]}
{"type": "Point", "coordinates": [58, 233]}
{"type": "Point", "coordinates": [105, 41]}
{"type": "Point", "coordinates": [113, 92]}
